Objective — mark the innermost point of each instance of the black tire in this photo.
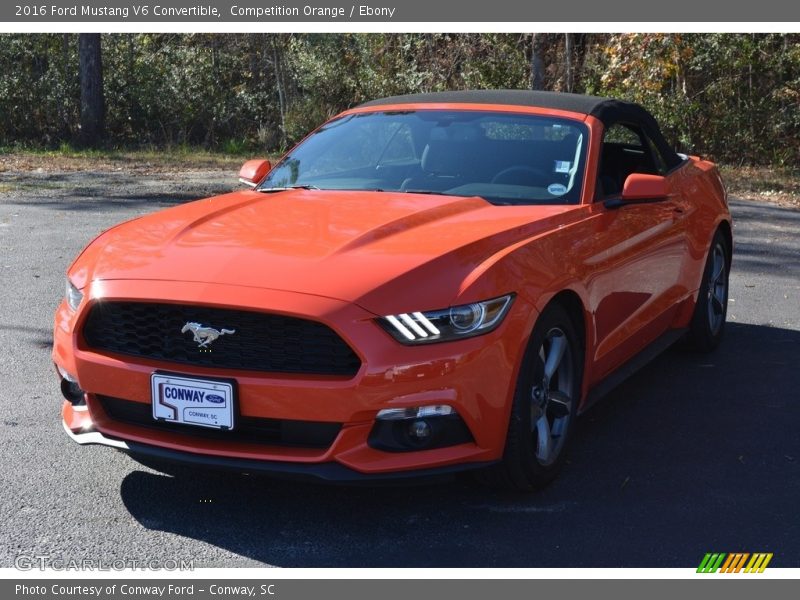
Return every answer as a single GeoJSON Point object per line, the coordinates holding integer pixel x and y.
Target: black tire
{"type": "Point", "coordinates": [711, 309]}
{"type": "Point", "coordinates": [525, 467]}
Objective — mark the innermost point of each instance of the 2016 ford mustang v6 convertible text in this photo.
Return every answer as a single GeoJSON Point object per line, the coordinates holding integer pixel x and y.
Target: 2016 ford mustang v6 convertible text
{"type": "Point", "coordinates": [425, 284]}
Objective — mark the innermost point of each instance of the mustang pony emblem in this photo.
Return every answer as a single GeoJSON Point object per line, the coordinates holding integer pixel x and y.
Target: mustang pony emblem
{"type": "Point", "coordinates": [205, 335]}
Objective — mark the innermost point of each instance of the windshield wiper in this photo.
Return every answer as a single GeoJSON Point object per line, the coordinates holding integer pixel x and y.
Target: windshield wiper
{"type": "Point", "coordinates": [432, 192]}
{"type": "Point", "coordinates": [285, 188]}
{"type": "Point", "coordinates": [437, 193]}
{"type": "Point", "coordinates": [375, 189]}
{"type": "Point", "coordinates": [429, 192]}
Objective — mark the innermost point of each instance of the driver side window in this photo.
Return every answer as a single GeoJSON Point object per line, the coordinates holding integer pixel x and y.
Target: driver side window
{"type": "Point", "coordinates": [626, 149]}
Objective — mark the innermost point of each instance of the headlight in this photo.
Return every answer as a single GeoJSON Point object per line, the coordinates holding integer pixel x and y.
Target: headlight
{"type": "Point", "coordinates": [73, 295]}
{"type": "Point", "coordinates": [448, 324]}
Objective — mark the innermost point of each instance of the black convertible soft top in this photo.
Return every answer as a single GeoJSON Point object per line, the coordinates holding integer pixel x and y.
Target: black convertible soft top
{"type": "Point", "coordinates": [607, 110]}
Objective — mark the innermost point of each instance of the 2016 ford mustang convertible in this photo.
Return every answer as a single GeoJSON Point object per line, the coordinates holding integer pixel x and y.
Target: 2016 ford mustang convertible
{"type": "Point", "coordinates": [425, 284]}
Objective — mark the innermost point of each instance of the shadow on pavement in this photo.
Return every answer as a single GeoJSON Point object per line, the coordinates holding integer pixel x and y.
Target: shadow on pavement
{"type": "Point", "coordinates": [695, 453]}
{"type": "Point", "coordinates": [103, 191]}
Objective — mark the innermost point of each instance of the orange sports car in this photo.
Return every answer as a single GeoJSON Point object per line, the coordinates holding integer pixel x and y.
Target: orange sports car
{"type": "Point", "coordinates": [425, 284]}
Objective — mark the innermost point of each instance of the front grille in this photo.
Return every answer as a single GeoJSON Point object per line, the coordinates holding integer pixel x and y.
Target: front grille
{"type": "Point", "coordinates": [261, 342]}
{"type": "Point", "coordinates": [257, 430]}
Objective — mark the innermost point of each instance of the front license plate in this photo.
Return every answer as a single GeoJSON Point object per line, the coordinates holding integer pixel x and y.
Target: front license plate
{"type": "Point", "coordinates": [201, 402]}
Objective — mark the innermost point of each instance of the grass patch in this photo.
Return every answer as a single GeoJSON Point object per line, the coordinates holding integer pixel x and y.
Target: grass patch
{"type": "Point", "coordinates": [174, 158]}
{"type": "Point", "coordinates": [774, 184]}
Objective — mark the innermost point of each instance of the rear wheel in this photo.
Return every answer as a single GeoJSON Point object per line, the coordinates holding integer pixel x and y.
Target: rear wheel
{"type": "Point", "coordinates": [545, 405]}
{"type": "Point", "coordinates": [708, 321]}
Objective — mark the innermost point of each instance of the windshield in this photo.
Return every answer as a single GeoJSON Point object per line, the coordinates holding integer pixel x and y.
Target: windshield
{"type": "Point", "coordinates": [503, 157]}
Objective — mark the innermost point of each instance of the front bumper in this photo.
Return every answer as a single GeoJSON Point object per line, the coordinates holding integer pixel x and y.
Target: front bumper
{"type": "Point", "coordinates": [475, 376]}
{"type": "Point", "coordinates": [330, 471]}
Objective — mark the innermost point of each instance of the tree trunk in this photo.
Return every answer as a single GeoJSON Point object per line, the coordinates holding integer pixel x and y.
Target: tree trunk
{"type": "Point", "coordinates": [568, 60]}
{"type": "Point", "coordinates": [63, 106]}
{"type": "Point", "coordinates": [537, 65]}
{"type": "Point", "coordinates": [277, 54]}
{"type": "Point", "coordinates": [91, 77]}
{"type": "Point", "coordinates": [581, 44]}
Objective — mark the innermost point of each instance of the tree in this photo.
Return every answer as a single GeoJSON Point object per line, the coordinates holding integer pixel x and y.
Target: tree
{"type": "Point", "coordinates": [537, 64]}
{"type": "Point", "coordinates": [731, 97]}
{"type": "Point", "coordinates": [91, 79]}
{"type": "Point", "coordinates": [568, 61]}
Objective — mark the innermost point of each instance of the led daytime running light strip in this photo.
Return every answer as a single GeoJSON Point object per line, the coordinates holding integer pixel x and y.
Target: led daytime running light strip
{"type": "Point", "coordinates": [413, 325]}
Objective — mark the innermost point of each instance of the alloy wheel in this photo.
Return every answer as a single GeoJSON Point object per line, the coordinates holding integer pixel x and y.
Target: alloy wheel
{"type": "Point", "coordinates": [717, 289]}
{"type": "Point", "coordinates": [552, 396]}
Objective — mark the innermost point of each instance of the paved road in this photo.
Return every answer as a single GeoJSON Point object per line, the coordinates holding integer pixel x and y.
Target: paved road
{"type": "Point", "coordinates": [694, 454]}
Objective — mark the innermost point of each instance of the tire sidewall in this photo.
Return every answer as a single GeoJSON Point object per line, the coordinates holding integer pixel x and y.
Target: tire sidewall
{"type": "Point", "coordinates": [520, 453]}
{"type": "Point", "coordinates": [701, 334]}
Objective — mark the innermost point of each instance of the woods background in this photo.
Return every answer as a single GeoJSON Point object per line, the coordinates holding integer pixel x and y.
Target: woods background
{"type": "Point", "coordinates": [732, 97]}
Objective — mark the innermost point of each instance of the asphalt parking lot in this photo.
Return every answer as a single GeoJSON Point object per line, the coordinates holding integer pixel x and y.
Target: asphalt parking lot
{"type": "Point", "coordinates": [696, 453]}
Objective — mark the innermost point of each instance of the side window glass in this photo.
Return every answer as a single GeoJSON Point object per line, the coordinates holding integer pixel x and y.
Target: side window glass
{"type": "Point", "coordinates": [625, 150]}
{"type": "Point", "coordinates": [622, 135]}
{"type": "Point", "coordinates": [660, 163]}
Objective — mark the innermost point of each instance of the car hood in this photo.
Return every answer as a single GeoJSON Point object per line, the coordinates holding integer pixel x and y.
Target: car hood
{"type": "Point", "coordinates": [377, 249]}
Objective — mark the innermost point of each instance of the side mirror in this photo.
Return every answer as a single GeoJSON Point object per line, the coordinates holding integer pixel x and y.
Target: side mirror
{"type": "Point", "coordinates": [639, 186]}
{"type": "Point", "coordinates": [253, 171]}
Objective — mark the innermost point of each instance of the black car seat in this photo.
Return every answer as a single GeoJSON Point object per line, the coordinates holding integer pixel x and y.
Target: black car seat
{"type": "Point", "coordinates": [443, 165]}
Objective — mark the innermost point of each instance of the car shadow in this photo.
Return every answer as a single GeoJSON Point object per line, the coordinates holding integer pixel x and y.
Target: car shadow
{"type": "Point", "coordinates": [81, 201]}
{"type": "Point", "coordinates": [38, 337]}
{"type": "Point", "coordinates": [93, 192]}
{"type": "Point", "coordinates": [695, 453]}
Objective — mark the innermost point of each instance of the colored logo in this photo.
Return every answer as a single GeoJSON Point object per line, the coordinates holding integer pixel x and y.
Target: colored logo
{"type": "Point", "coordinates": [214, 399]}
{"type": "Point", "coordinates": [734, 562]}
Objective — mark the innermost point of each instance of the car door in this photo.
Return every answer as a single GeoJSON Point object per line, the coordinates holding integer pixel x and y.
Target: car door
{"type": "Point", "coordinates": [638, 252]}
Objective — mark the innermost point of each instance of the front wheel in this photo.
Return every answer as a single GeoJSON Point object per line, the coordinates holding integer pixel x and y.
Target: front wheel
{"type": "Point", "coordinates": [545, 404]}
{"type": "Point", "coordinates": [710, 312]}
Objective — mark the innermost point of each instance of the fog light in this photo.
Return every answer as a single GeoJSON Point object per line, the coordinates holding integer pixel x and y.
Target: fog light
{"type": "Point", "coordinates": [70, 389]}
{"type": "Point", "coordinates": [73, 393]}
{"type": "Point", "coordinates": [419, 430]}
